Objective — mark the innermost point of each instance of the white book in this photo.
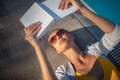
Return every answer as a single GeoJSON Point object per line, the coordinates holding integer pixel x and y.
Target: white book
{"type": "Point", "coordinates": [47, 13]}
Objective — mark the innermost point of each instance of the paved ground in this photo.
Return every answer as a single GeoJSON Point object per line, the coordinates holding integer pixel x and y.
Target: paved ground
{"type": "Point", "coordinates": [17, 58]}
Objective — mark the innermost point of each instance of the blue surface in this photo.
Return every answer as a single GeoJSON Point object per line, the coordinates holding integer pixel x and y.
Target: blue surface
{"type": "Point", "coordinates": [48, 10]}
{"type": "Point", "coordinates": [110, 9]}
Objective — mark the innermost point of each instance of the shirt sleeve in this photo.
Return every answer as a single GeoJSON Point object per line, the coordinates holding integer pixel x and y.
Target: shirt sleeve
{"type": "Point", "coordinates": [61, 73]}
{"type": "Point", "coordinates": [106, 44]}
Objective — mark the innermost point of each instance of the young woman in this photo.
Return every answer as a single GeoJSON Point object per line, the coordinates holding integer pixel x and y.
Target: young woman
{"type": "Point", "coordinates": [80, 66]}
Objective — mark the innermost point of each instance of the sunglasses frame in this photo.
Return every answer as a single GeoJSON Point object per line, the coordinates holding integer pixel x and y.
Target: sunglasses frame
{"type": "Point", "coordinates": [59, 33]}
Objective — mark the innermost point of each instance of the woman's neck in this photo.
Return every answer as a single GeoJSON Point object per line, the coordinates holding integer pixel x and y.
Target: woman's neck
{"type": "Point", "coordinates": [75, 55]}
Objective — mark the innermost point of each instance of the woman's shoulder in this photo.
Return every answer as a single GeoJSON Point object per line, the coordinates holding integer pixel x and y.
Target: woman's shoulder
{"type": "Point", "coordinates": [63, 72]}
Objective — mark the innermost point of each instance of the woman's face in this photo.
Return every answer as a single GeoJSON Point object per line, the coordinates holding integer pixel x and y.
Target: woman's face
{"type": "Point", "coordinates": [60, 40]}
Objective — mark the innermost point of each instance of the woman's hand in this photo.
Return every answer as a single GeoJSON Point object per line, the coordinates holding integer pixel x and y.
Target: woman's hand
{"type": "Point", "coordinates": [30, 32]}
{"type": "Point", "coordinates": [105, 25]}
{"type": "Point", "coordinates": [64, 4]}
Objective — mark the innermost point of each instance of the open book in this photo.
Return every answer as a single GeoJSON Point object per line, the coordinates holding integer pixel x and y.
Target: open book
{"type": "Point", "coordinates": [47, 13]}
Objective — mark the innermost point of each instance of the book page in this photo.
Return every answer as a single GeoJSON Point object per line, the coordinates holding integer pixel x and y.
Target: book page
{"type": "Point", "coordinates": [35, 14]}
{"type": "Point", "coordinates": [51, 6]}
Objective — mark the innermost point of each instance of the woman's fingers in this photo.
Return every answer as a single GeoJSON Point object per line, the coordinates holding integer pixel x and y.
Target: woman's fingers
{"type": "Point", "coordinates": [33, 29]}
{"type": "Point", "coordinates": [59, 7]}
{"type": "Point", "coordinates": [62, 4]}
{"type": "Point", "coordinates": [34, 25]}
{"type": "Point", "coordinates": [67, 4]}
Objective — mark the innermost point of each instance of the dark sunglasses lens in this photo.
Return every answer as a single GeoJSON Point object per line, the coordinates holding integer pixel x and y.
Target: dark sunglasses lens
{"type": "Point", "coordinates": [52, 40]}
{"type": "Point", "coordinates": [59, 34]}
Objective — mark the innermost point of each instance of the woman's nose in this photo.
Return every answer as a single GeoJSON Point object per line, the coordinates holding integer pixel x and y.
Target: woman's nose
{"type": "Point", "coordinates": [57, 37]}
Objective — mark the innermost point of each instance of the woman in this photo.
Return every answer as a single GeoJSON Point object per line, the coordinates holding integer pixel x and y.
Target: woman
{"type": "Point", "coordinates": [80, 66]}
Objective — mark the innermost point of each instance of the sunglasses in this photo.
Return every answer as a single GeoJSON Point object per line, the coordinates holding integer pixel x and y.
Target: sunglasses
{"type": "Point", "coordinates": [59, 33]}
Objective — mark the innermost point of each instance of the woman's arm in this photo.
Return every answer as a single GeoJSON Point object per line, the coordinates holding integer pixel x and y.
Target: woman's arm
{"type": "Point", "coordinates": [104, 24]}
{"type": "Point", "coordinates": [46, 70]}
{"type": "Point", "coordinates": [101, 22]}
